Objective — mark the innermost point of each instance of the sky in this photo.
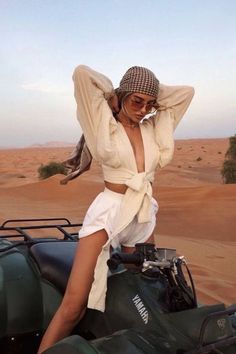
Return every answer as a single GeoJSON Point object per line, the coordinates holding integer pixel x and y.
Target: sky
{"type": "Point", "coordinates": [190, 42]}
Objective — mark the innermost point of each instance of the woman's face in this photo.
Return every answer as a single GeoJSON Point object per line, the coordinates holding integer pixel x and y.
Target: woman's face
{"type": "Point", "coordinates": [137, 105]}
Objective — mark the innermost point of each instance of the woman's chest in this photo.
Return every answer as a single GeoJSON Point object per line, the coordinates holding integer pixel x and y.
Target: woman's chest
{"type": "Point", "coordinates": [136, 140]}
{"type": "Point", "coordinates": [137, 149]}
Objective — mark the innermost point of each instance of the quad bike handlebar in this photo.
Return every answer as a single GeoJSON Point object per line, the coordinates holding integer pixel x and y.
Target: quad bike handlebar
{"type": "Point", "coordinates": [154, 262]}
{"type": "Point", "coordinates": [125, 258]}
{"type": "Point", "coordinates": [145, 255]}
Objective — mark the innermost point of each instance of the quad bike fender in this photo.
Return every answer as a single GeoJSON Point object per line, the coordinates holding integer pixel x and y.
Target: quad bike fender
{"type": "Point", "coordinates": [72, 345]}
{"type": "Point", "coordinates": [21, 307]}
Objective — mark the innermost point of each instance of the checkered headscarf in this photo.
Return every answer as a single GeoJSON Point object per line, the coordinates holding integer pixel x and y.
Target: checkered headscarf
{"type": "Point", "coordinates": [139, 79]}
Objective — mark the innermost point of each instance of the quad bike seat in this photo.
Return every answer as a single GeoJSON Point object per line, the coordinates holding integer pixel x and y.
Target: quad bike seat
{"type": "Point", "coordinates": [54, 260]}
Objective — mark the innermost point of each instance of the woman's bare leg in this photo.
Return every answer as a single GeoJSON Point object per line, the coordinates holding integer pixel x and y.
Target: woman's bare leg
{"type": "Point", "coordinates": [79, 284]}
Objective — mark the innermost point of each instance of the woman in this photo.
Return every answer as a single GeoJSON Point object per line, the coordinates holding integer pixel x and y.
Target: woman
{"type": "Point", "coordinates": [129, 131]}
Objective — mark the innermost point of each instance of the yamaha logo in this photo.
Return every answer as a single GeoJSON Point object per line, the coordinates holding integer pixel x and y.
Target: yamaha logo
{"type": "Point", "coordinates": [221, 323]}
{"type": "Point", "coordinates": [141, 308]}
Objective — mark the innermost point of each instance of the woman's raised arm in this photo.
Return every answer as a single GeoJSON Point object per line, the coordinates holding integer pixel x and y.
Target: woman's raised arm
{"type": "Point", "coordinates": [173, 102]}
{"type": "Point", "coordinates": [92, 90]}
{"type": "Point", "coordinates": [175, 98]}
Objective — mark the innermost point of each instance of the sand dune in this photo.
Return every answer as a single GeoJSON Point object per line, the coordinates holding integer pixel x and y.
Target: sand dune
{"type": "Point", "coordinates": [212, 264]}
{"type": "Point", "coordinates": [204, 212]}
{"type": "Point", "coordinates": [197, 212]}
{"type": "Point", "coordinates": [19, 166]}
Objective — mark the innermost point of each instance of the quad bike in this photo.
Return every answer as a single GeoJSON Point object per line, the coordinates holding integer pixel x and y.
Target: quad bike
{"type": "Point", "coordinates": [150, 308]}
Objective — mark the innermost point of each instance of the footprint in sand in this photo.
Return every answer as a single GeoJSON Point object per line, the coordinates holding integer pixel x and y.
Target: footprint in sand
{"type": "Point", "coordinates": [218, 257]}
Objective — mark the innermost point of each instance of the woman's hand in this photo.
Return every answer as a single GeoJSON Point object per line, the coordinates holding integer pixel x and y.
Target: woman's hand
{"type": "Point", "coordinates": [113, 103]}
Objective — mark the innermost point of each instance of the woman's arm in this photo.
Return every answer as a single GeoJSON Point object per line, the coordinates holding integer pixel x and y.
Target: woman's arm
{"type": "Point", "coordinates": [176, 99]}
{"type": "Point", "coordinates": [173, 102]}
{"type": "Point", "coordinates": [92, 90]}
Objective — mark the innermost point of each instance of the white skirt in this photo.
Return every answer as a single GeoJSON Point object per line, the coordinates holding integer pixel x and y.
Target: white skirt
{"type": "Point", "coordinates": [103, 213]}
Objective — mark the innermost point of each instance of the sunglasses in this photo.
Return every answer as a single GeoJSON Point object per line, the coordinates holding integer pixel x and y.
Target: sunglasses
{"type": "Point", "coordinates": [137, 104]}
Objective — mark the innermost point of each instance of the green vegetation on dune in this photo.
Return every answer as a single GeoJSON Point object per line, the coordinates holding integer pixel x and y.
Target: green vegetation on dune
{"type": "Point", "coordinates": [52, 168]}
{"type": "Point", "coordinates": [228, 170]}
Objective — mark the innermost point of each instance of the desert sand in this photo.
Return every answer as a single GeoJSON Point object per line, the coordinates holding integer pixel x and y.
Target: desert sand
{"type": "Point", "coordinates": [197, 214]}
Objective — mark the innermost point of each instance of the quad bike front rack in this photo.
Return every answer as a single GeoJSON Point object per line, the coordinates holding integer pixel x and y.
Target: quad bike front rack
{"type": "Point", "coordinates": [14, 229]}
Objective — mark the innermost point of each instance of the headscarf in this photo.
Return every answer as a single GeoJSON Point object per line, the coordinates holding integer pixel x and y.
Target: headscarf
{"type": "Point", "coordinates": [139, 79]}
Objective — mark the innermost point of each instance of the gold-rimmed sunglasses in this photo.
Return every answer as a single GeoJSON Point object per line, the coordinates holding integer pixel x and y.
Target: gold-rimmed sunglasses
{"type": "Point", "coordinates": [138, 103]}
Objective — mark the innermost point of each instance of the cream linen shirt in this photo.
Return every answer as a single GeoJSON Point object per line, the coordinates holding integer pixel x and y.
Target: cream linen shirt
{"type": "Point", "coordinates": [109, 144]}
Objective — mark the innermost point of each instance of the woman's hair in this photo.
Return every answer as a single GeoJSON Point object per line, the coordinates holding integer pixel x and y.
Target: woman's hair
{"type": "Point", "coordinates": [122, 95]}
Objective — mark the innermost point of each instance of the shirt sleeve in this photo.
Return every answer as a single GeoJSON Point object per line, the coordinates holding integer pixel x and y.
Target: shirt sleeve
{"type": "Point", "coordinates": [173, 102]}
{"type": "Point", "coordinates": [176, 100]}
{"type": "Point", "coordinates": [91, 90]}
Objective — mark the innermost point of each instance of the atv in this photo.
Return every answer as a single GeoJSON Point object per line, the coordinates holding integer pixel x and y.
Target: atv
{"type": "Point", "coordinates": [151, 303]}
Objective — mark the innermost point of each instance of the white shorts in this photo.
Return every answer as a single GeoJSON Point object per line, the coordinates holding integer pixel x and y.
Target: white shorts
{"type": "Point", "coordinates": [102, 214]}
